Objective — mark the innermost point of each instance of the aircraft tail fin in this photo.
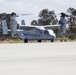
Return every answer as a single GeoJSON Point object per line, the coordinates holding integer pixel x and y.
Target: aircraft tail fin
{"type": "Point", "coordinates": [23, 22]}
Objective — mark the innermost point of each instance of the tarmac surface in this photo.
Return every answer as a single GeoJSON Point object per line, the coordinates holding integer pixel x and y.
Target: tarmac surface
{"type": "Point", "coordinates": [57, 58]}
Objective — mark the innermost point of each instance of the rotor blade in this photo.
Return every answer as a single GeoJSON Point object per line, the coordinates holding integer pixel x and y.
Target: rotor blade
{"type": "Point", "coordinates": [25, 14]}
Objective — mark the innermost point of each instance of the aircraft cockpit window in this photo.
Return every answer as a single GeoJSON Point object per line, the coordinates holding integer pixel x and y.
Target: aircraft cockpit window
{"type": "Point", "coordinates": [22, 22]}
{"type": "Point", "coordinates": [46, 32]}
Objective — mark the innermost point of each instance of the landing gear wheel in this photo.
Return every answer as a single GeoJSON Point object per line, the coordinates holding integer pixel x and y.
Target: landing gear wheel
{"type": "Point", "coordinates": [39, 40]}
{"type": "Point", "coordinates": [26, 41]}
{"type": "Point", "coordinates": [52, 40]}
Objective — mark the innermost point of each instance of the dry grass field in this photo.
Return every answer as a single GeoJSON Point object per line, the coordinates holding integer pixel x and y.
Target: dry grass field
{"type": "Point", "coordinates": [18, 40]}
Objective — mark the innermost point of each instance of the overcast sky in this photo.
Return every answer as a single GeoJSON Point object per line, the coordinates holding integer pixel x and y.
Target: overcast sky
{"type": "Point", "coordinates": [35, 6]}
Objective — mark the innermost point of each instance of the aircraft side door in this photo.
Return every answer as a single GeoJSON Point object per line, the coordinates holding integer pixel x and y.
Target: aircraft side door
{"type": "Point", "coordinates": [46, 33]}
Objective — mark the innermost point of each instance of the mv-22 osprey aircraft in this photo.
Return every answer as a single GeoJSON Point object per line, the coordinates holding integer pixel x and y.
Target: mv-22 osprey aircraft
{"type": "Point", "coordinates": [30, 32]}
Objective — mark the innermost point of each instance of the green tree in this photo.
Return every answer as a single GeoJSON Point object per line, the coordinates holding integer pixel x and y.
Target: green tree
{"type": "Point", "coordinates": [47, 17]}
{"type": "Point", "coordinates": [72, 19]}
{"type": "Point", "coordinates": [34, 22]}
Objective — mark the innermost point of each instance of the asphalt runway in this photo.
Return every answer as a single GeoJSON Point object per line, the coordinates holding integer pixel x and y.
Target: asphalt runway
{"type": "Point", "coordinates": [57, 58]}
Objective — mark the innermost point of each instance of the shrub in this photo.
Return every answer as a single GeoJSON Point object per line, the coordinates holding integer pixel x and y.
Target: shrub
{"type": "Point", "coordinates": [72, 37]}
